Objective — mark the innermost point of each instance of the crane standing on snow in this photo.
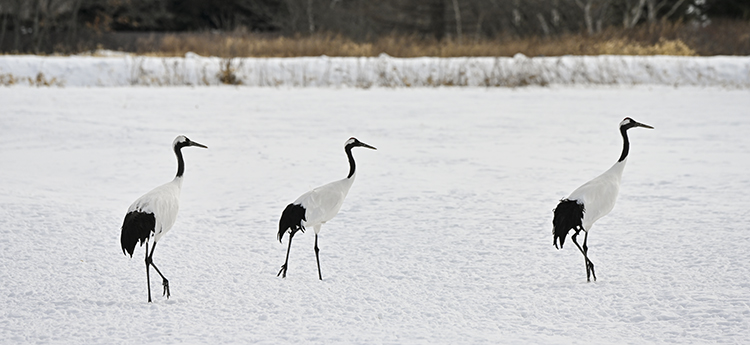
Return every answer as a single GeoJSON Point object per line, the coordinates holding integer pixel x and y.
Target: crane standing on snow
{"type": "Point", "coordinates": [317, 206]}
{"type": "Point", "coordinates": [591, 201]}
{"type": "Point", "coordinates": [153, 214]}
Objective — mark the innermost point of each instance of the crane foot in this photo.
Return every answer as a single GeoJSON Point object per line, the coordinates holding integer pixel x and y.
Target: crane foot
{"type": "Point", "coordinates": [282, 270]}
{"type": "Point", "coordinates": [165, 283]}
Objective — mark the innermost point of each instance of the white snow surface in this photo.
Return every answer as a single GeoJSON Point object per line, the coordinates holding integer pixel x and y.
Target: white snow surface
{"type": "Point", "coordinates": [118, 69]}
{"type": "Point", "coordinates": [444, 238]}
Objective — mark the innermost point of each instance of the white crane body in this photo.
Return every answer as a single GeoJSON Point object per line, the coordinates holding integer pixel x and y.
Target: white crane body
{"type": "Point", "coordinates": [599, 195]}
{"type": "Point", "coordinates": [152, 215]}
{"type": "Point", "coordinates": [317, 206]}
{"type": "Point", "coordinates": [163, 203]}
{"type": "Point", "coordinates": [591, 201]}
{"type": "Point", "coordinates": [323, 203]}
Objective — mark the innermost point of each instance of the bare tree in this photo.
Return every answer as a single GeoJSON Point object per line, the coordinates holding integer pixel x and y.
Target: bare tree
{"type": "Point", "coordinates": [457, 13]}
{"type": "Point", "coordinates": [45, 19]}
{"type": "Point", "coordinates": [36, 5]}
{"type": "Point", "coordinates": [17, 24]}
{"type": "Point", "coordinates": [603, 11]}
{"type": "Point", "coordinates": [4, 13]}
{"type": "Point", "coordinates": [437, 18]}
{"type": "Point", "coordinates": [543, 23]}
{"type": "Point", "coordinates": [586, 7]}
{"type": "Point", "coordinates": [633, 12]}
{"type": "Point", "coordinates": [73, 23]}
{"type": "Point", "coordinates": [653, 7]}
{"type": "Point", "coordinates": [555, 13]}
{"type": "Point", "coordinates": [310, 22]}
{"type": "Point", "coordinates": [478, 31]}
{"type": "Point", "coordinates": [517, 17]}
{"type": "Point", "coordinates": [673, 9]}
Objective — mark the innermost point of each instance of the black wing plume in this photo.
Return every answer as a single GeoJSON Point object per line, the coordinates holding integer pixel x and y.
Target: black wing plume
{"type": "Point", "coordinates": [137, 227]}
{"type": "Point", "coordinates": [568, 215]}
{"type": "Point", "coordinates": [291, 218]}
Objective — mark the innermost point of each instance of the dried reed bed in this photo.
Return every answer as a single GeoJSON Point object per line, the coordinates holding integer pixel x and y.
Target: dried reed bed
{"type": "Point", "coordinates": [254, 45]}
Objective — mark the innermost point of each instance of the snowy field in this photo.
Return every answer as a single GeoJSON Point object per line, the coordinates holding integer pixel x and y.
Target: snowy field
{"type": "Point", "coordinates": [445, 237]}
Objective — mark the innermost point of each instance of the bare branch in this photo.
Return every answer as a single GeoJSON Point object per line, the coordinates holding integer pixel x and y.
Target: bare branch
{"type": "Point", "coordinates": [674, 9]}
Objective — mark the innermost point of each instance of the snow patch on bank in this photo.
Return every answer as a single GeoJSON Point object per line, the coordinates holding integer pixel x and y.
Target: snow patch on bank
{"type": "Point", "coordinates": [108, 70]}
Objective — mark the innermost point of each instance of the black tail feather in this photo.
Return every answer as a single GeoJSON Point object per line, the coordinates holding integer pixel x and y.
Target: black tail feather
{"type": "Point", "coordinates": [137, 227]}
{"type": "Point", "coordinates": [291, 218]}
{"type": "Point", "coordinates": [568, 216]}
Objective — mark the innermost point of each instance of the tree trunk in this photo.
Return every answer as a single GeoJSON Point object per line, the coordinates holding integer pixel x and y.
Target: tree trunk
{"type": "Point", "coordinates": [457, 12]}
{"type": "Point", "coordinates": [17, 30]}
{"type": "Point", "coordinates": [310, 22]}
{"type": "Point", "coordinates": [2, 30]}
{"type": "Point", "coordinates": [478, 33]}
{"type": "Point", "coordinates": [586, 7]}
{"type": "Point", "coordinates": [633, 14]}
{"type": "Point", "coordinates": [602, 15]}
{"type": "Point", "coordinates": [517, 16]}
{"type": "Point", "coordinates": [543, 23]}
{"type": "Point", "coordinates": [46, 22]}
{"type": "Point", "coordinates": [653, 9]}
{"type": "Point", "coordinates": [651, 15]}
{"type": "Point", "coordinates": [437, 19]}
{"type": "Point", "coordinates": [35, 27]}
{"type": "Point", "coordinates": [555, 14]}
{"type": "Point", "coordinates": [674, 9]}
{"type": "Point", "coordinates": [73, 25]}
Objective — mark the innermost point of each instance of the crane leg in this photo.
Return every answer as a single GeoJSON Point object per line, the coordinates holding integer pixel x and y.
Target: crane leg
{"type": "Point", "coordinates": [286, 262]}
{"type": "Point", "coordinates": [317, 257]}
{"type": "Point", "coordinates": [586, 252]}
{"type": "Point", "coordinates": [589, 264]}
{"type": "Point", "coordinates": [148, 278]}
{"type": "Point", "coordinates": [165, 282]}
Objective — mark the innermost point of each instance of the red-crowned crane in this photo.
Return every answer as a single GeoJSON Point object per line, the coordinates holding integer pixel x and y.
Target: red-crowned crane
{"type": "Point", "coordinates": [153, 214]}
{"type": "Point", "coordinates": [591, 201]}
{"type": "Point", "coordinates": [317, 206]}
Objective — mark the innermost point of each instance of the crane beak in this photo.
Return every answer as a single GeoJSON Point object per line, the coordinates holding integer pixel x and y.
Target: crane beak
{"type": "Point", "coordinates": [193, 143]}
{"type": "Point", "coordinates": [367, 146]}
{"type": "Point", "coordinates": [644, 125]}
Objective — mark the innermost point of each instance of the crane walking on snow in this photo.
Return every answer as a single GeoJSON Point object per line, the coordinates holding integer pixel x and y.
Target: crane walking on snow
{"type": "Point", "coordinates": [317, 206]}
{"type": "Point", "coordinates": [153, 214]}
{"type": "Point", "coordinates": [591, 201]}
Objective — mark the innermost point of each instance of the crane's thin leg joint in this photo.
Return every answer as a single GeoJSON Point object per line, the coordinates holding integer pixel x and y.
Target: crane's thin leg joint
{"type": "Point", "coordinates": [317, 257]}
{"type": "Point", "coordinates": [588, 263]}
{"type": "Point", "coordinates": [150, 262]}
{"type": "Point", "coordinates": [282, 271]}
{"type": "Point", "coordinates": [164, 283]}
{"type": "Point", "coordinates": [148, 278]}
{"type": "Point", "coordinates": [586, 253]}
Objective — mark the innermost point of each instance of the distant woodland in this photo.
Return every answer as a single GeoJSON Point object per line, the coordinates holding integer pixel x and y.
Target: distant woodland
{"type": "Point", "coordinates": [370, 27]}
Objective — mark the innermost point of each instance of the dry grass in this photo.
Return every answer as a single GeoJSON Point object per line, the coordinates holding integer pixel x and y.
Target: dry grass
{"type": "Point", "coordinates": [254, 45]}
{"type": "Point", "coordinates": [250, 45]}
{"type": "Point", "coordinates": [624, 47]}
{"type": "Point", "coordinates": [226, 73]}
{"type": "Point", "coordinates": [40, 80]}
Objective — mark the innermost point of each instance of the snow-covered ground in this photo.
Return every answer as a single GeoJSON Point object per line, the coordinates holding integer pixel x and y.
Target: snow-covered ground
{"type": "Point", "coordinates": [445, 236]}
{"type": "Point", "coordinates": [117, 69]}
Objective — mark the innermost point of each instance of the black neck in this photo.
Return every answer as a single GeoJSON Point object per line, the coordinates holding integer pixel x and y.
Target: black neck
{"type": "Point", "coordinates": [625, 144]}
{"type": "Point", "coordinates": [351, 161]}
{"type": "Point", "coordinates": [180, 161]}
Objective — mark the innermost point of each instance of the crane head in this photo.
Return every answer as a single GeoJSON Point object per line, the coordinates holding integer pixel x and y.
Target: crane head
{"type": "Point", "coordinates": [182, 141]}
{"type": "Point", "coordinates": [353, 142]}
{"type": "Point", "coordinates": [629, 123]}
